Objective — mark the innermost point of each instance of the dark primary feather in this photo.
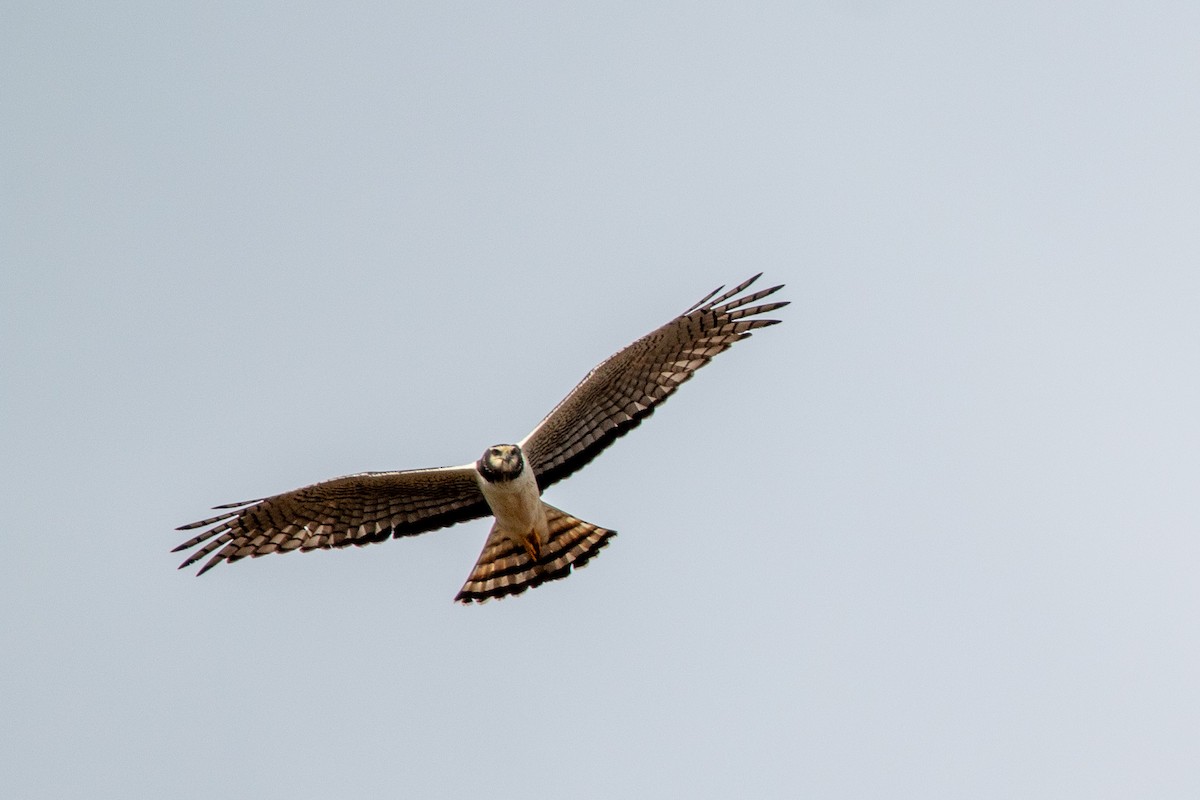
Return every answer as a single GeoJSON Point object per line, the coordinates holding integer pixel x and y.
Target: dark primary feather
{"type": "Point", "coordinates": [354, 510]}
{"type": "Point", "coordinates": [625, 389]}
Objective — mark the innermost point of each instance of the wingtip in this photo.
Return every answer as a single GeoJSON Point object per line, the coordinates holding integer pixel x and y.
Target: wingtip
{"type": "Point", "coordinates": [719, 295]}
{"type": "Point", "coordinates": [705, 300]}
{"type": "Point", "coordinates": [225, 506]}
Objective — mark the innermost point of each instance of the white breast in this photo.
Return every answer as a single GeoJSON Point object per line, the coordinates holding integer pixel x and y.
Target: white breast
{"type": "Point", "coordinates": [516, 506]}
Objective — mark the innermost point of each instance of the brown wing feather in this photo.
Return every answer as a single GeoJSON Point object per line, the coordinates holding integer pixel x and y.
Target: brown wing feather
{"type": "Point", "coordinates": [625, 389]}
{"type": "Point", "coordinates": [354, 510]}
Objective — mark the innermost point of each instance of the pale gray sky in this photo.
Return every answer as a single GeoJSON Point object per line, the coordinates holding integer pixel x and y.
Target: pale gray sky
{"type": "Point", "coordinates": [934, 536]}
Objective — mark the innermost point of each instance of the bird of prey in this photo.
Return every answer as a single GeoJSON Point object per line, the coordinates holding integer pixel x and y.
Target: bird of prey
{"type": "Point", "coordinates": [531, 542]}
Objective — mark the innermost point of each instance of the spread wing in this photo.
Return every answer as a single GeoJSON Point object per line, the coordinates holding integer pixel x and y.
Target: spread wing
{"type": "Point", "coordinates": [354, 510]}
{"type": "Point", "coordinates": [625, 389]}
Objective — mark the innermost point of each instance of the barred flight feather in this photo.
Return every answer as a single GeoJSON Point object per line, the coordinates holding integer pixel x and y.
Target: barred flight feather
{"type": "Point", "coordinates": [354, 510]}
{"type": "Point", "coordinates": [617, 395]}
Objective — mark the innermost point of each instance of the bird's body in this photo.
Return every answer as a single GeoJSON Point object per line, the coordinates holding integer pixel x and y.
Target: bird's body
{"type": "Point", "coordinates": [512, 494]}
{"type": "Point", "coordinates": [531, 541]}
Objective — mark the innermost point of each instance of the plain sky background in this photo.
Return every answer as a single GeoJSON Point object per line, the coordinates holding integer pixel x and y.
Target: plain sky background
{"type": "Point", "coordinates": [937, 535]}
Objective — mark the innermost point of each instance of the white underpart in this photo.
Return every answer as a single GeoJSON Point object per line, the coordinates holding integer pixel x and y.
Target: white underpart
{"type": "Point", "coordinates": [517, 507]}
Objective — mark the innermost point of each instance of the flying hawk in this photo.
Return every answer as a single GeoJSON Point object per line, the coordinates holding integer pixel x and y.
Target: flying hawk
{"type": "Point", "coordinates": [531, 541]}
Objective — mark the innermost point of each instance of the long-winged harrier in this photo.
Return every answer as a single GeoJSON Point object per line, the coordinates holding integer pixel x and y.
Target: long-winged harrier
{"type": "Point", "coordinates": [531, 541]}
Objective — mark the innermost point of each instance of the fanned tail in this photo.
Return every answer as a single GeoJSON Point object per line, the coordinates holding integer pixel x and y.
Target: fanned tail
{"type": "Point", "coordinates": [505, 567]}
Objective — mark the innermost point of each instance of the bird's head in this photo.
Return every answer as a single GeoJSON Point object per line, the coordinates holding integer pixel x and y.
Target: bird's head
{"type": "Point", "coordinates": [501, 462]}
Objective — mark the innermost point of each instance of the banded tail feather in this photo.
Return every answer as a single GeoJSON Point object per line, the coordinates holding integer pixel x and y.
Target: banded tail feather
{"type": "Point", "coordinates": [505, 567]}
